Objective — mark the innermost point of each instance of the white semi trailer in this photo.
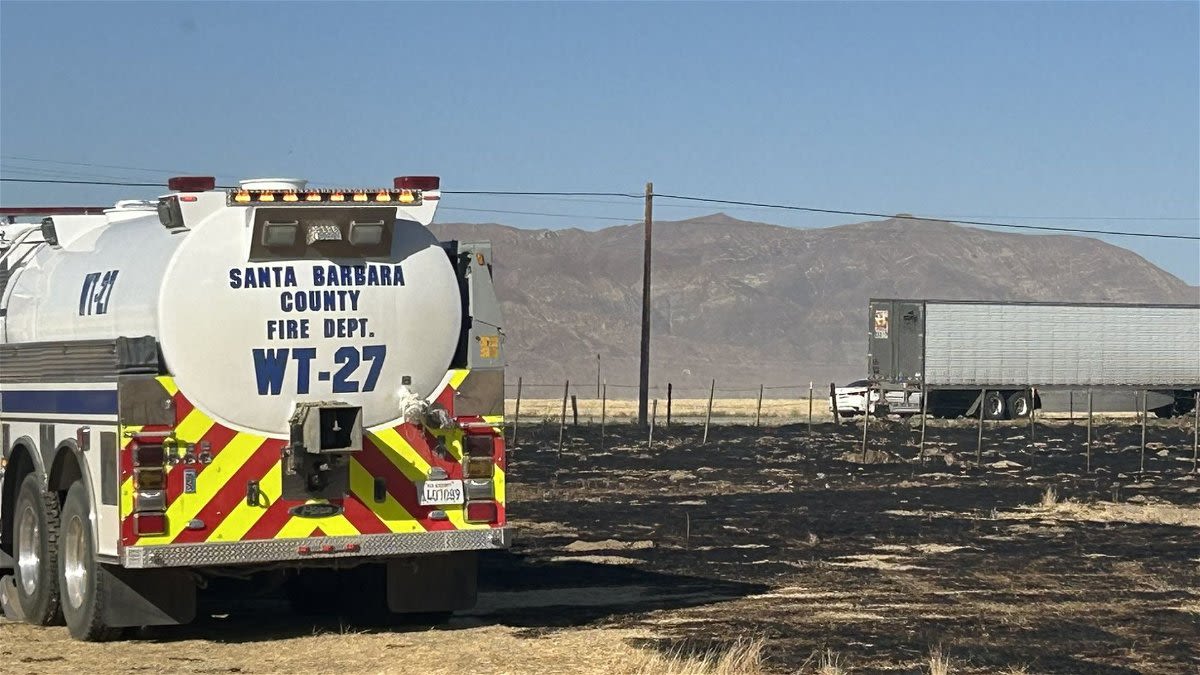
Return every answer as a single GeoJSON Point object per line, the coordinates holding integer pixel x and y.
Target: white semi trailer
{"type": "Point", "coordinates": [953, 351]}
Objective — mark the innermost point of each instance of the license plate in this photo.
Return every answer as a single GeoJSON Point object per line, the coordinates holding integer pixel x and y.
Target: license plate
{"type": "Point", "coordinates": [438, 492]}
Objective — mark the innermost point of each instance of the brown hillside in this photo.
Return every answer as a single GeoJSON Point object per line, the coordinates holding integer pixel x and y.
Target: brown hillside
{"type": "Point", "coordinates": [749, 302]}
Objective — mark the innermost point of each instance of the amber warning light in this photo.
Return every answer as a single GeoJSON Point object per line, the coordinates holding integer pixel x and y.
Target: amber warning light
{"type": "Point", "coordinates": [405, 196]}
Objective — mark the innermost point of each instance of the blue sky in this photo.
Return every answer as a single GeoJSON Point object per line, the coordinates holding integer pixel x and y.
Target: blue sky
{"type": "Point", "coordinates": [998, 111]}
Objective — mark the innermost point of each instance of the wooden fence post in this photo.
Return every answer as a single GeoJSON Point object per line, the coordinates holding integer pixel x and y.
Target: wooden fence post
{"type": "Point", "coordinates": [517, 413]}
{"type": "Point", "coordinates": [603, 413]}
{"type": "Point", "coordinates": [837, 419]}
{"type": "Point", "coordinates": [574, 413]}
{"type": "Point", "coordinates": [708, 415]}
{"type": "Point", "coordinates": [758, 412]}
{"type": "Point", "coordinates": [866, 423]}
{"type": "Point", "coordinates": [924, 414]}
{"type": "Point", "coordinates": [1089, 432]}
{"type": "Point", "coordinates": [1032, 418]}
{"type": "Point", "coordinates": [668, 405]}
{"type": "Point", "coordinates": [1196, 433]}
{"type": "Point", "coordinates": [1142, 462]}
{"type": "Point", "coordinates": [979, 440]}
{"type": "Point", "coordinates": [810, 401]}
{"type": "Point", "coordinates": [653, 417]}
{"type": "Point", "coordinates": [562, 418]}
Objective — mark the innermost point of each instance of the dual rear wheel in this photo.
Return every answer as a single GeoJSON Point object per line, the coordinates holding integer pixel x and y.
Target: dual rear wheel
{"type": "Point", "coordinates": [1016, 406]}
{"type": "Point", "coordinates": [58, 577]}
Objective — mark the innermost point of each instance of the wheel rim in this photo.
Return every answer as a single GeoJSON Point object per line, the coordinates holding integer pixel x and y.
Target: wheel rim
{"type": "Point", "coordinates": [1021, 407]}
{"type": "Point", "coordinates": [75, 573]}
{"type": "Point", "coordinates": [29, 558]}
{"type": "Point", "coordinates": [995, 406]}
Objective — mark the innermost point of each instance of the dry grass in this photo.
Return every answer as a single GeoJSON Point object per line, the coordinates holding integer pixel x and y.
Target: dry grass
{"type": "Point", "coordinates": [830, 663]}
{"type": "Point", "coordinates": [1111, 512]}
{"type": "Point", "coordinates": [346, 649]}
{"type": "Point", "coordinates": [939, 663]}
{"type": "Point", "coordinates": [1049, 498]}
{"type": "Point", "coordinates": [743, 658]}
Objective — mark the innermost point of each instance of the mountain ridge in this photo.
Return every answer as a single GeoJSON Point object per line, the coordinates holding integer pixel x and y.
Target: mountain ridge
{"type": "Point", "coordinates": [747, 302]}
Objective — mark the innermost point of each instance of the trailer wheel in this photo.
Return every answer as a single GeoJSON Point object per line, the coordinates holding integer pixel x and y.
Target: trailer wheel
{"type": "Point", "coordinates": [1018, 405]}
{"type": "Point", "coordinates": [80, 584]}
{"type": "Point", "coordinates": [35, 533]}
{"type": "Point", "coordinates": [994, 406]}
{"type": "Point", "coordinates": [1166, 411]}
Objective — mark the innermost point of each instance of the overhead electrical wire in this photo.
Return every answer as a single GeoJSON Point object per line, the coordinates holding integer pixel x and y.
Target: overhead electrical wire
{"type": "Point", "coordinates": [91, 165]}
{"type": "Point", "coordinates": [536, 213]}
{"type": "Point", "coordinates": [984, 223]}
{"type": "Point", "coordinates": [705, 200]}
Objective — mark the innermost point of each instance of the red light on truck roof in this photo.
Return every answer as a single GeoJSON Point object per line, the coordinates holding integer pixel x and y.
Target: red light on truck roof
{"type": "Point", "coordinates": [417, 182]}
{"type": "Point", "coordinates": [191, 183]}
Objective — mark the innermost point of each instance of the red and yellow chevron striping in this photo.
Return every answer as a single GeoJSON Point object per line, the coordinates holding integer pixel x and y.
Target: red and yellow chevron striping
{"type": "Point", "coordinates": [217, 510]}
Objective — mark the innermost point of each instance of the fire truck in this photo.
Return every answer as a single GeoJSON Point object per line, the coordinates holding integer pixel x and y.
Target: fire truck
{"type": "Point", "coordinates": [264, 378]}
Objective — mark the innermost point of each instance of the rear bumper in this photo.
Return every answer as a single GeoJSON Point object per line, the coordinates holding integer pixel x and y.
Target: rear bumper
{"type": "Point", "coordinates": [313, 548]}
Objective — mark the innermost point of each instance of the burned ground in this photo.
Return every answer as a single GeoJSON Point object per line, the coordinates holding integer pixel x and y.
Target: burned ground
{"type": "Point", "coordinates": [882, 562]}
{"type": "Point", "coordinates": [772, 533]}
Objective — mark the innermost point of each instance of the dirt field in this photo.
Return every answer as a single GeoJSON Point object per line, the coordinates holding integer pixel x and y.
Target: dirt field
{"type": "Point", "coordinates": [637, 561]}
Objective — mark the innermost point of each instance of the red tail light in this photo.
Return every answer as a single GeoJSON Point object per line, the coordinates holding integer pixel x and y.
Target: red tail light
{"type": "Point", "coordinates": [417, 182]}
{"type": "Point", "coordinates": [482, 512]}
{"type": "Point", "coordinates": [149, 523]}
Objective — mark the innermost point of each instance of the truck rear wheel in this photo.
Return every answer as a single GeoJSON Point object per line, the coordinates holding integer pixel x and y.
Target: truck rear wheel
{"type": "Point", "coordinates": [994, 406]}
{"type": "Point", "coordinates": [80, 583]}
{"type": "Point", "coordinates": [1018, 405]}
{"type": "Point", "coordinates": [35, 532]}
{"type": "Point", "coordinates": [1165, 412]}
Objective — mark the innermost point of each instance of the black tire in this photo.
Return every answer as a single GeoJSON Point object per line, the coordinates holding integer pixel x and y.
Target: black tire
{"type": "Point", "coordinates": [35, 541]}
{"type": "Point", "coordinates": [1164, 412]}
{"type": "Point", "coordinates": [1019, 405]}
{"type": "Point", "coordinates": [847, 414]}
{"type": "Point", "coordinates": [994, 406]}
{"type": "Point", "coordinates": [83, 594]}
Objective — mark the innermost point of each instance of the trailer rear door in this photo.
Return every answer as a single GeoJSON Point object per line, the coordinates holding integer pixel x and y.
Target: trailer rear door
{"type": "Point", "coordinates": [896, 341]}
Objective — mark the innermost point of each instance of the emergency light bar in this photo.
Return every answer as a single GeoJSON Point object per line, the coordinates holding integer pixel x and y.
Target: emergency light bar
{"type": "Point", "coordinates": [324, 197]}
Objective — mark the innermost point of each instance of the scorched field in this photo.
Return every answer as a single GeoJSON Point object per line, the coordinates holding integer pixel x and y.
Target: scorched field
{"type": "Point", "coordinates": [771, 550]}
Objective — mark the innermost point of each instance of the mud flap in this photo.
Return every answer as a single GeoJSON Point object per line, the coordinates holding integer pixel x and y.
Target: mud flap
{"type": "Point", "coordinates": [432, 583]}
{"type": "Point", "coordinates": [154, 597]}
{"type": "Point", "coordinates": [8, 599]}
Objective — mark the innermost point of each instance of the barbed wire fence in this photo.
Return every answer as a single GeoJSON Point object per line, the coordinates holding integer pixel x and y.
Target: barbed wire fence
{"type": "Point", "coordinates": [810, 404]}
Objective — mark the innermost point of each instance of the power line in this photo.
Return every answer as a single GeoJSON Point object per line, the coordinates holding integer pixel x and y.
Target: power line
{"type": "Point", "coordinates": [54, 181]}
{"type": "Point", "coordinates": [91, 165]}
{"type": "Point", "coordinates": [536, 213]}
{"type": "Point", "coordinates": [707, 200]}
{"type": "Point", "coordinates": [943, 217]}
{"type": "Point", "coordinates": [516, 193]}
{"type": "Point", "coordinates": [54, 172]}
{"type": "Point", "coordinates": [984, 223]}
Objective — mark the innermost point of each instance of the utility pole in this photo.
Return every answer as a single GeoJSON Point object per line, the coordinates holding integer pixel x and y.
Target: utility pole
{"type": "Point", "coordinates": [644, 373]}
